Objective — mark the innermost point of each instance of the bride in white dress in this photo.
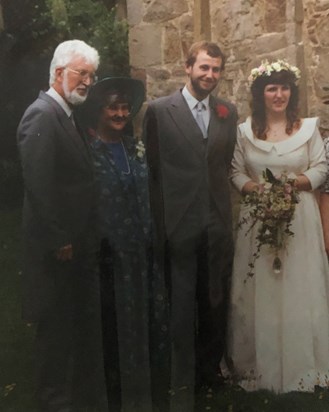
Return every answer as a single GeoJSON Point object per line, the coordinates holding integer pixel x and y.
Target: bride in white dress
{"type": "Point", "coordinates": [278, 336]}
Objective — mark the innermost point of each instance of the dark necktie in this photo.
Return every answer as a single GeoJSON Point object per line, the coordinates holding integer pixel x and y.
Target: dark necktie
{"type": "Point", "coordinates": [71, 117]}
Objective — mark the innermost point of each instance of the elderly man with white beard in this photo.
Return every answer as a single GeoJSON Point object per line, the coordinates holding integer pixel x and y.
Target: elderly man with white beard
{"type": "Point", "coordinates": [60, 283]}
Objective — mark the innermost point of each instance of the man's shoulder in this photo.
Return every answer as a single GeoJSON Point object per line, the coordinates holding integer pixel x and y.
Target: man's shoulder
{"type": "Point", "coordinates": [164, 100]}
{"type": "Point", "coordinates": [42, 102]}
{"type": "Point", "coordinates": [225, 102]}
{"type": "Point", "coordinates": [40, 113]}
{"type": "Point", "coordinates": [44, 107]}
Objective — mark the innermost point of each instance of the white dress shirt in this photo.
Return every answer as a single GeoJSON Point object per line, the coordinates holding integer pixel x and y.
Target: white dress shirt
{"type": "Point", "coordinates": [192, 102]}
{"type": "Point", "coordinates": [59, 99]}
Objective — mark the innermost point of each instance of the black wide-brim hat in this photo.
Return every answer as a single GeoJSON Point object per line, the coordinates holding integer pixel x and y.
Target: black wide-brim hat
{"type": "Point", "coordinates": [134, 89]}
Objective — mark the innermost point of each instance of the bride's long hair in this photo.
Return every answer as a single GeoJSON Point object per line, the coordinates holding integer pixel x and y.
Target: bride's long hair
{"type": "Point", "coordinates": [257, 104]}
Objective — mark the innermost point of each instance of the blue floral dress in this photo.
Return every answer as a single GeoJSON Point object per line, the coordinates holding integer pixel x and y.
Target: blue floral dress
{"type": "Point", "coordinates": [134, 292]}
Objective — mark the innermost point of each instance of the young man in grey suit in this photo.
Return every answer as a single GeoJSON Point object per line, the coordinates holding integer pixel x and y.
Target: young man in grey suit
{"type": "Point", "coordinates": [60, 284]}
{"type": "Point", "coordinates": [190, 136]}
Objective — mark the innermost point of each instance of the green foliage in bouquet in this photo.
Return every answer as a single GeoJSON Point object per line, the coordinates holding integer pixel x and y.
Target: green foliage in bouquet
{"type": "Point", "coordinates": [272, 207]}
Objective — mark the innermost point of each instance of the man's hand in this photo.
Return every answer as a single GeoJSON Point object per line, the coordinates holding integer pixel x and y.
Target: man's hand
{"type": "Point", "coordinates": [65, 253]}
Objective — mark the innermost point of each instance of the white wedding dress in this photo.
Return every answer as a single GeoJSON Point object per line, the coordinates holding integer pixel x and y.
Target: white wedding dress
{"type": "Point", "coordinates": [279, 323]}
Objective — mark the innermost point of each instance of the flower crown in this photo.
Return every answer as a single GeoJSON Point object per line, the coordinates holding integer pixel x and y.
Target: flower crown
{"type": "Point", "coordinates": [266, 69]}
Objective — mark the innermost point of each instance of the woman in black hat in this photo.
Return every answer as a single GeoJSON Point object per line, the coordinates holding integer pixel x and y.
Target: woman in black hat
{"type": "Point", "coordinates": [133, 290]}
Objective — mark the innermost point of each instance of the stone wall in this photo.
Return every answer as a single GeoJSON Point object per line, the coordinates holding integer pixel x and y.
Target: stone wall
{"type": "Point", "coordinates": [247, 30]}
{"type": "Point", "coordinates": [316, 40]}
{"type": "Point", "coordinates": [160, 33]}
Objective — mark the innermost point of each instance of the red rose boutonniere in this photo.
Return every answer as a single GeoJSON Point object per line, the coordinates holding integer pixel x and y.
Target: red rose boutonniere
{"type": "Point", "coordinates": [222, 111]}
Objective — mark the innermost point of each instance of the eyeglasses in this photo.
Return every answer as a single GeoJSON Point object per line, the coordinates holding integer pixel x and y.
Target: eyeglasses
{"type": "Point", "coordinates": [84, 74]}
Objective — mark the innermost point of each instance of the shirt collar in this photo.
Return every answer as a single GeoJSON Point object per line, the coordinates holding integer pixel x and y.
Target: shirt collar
{"type": "Point", "coordinates": [192, 101]}
{"type": "Point", "coordinates": [59, 99]}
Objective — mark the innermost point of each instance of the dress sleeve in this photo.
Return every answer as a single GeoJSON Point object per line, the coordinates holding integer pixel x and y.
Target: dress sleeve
{"type": "Point", "coordinates": [239, 175]}
{"type": "Point", "coordinates": [325, 186]}
{"type": "Point", "coordinates": [317, 170]}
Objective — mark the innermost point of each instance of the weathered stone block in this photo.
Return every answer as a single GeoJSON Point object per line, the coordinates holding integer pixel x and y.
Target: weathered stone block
{"type": "Point", "coordinates": [135, 12]}
{"type": "Point", "coordinates": [242, 51]}
{"type": "Point", "coordinates": [322, 29]}
{"type": "Point", "coordinates": [158, 89]}
{"type": "Point", "coordinates": [312, 22]}
{"type": "Point", "coordinates": [313, 38]}
{"type": "Point", "coordinates": [322, 111]}
{"type": "Point", "coordinates": [159, 74]}
{"type": "Point", "coordinates": [159, 10]}
{"type": "Point", "coordinates": [248, 27]}
{"type": "Point", "coordinates": [273, 41]}
{"type": "Point", "coordinates": [139, 74]}
{"type": "Point", "coordinates": [145, 45]}
{"type": "Point", "coordinates": [186, 23]}
{"type": "Point", "coordinates": [275, 15]}
{"type": "Point", "coordinates": [288, 53]}
{"type": "Point", "coordinates": [187, 42]}
{"type": "Point", "coordinates": [179, 71]}
{"type": "Point", "coordinates": [299, 11]}
{"type": "Point", "coordinates": [320, 77]}
{"type": "Point", "coordinates": [172, 44]}
{"type": "Point", "coordinates": [322, 5]}
{"type": "Point", "coordinates": [221, 21]}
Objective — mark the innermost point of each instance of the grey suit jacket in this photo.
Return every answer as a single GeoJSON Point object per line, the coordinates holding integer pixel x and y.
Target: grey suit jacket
{"type": "Point", "coordinates": [59, 200]}
{"type": "Point", "coordinates": [182, 167]}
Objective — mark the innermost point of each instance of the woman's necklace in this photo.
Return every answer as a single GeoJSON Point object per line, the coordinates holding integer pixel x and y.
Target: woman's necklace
{"type": "Point", "coordinates": [277, 132]}
{"type": "Point", "coordinates": [127, 161]}
{"type": "Point", "coordinates": [124, 159]}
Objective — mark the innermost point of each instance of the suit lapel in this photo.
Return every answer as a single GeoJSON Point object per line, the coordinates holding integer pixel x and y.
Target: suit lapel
{"type": "Point", "coordinates": [75, 139]}
{"type": "Point", "coordinates": [182, 116]}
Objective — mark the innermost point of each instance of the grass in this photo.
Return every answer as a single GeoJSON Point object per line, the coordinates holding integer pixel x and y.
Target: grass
{"type": "Point", "coordinates": [237, 400]}
{"type": "Point", "coordinates": [16, 349]}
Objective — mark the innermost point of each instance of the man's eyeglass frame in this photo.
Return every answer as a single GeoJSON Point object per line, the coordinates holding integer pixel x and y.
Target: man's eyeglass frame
{"type": "Point", "coordinates": [84, 74]}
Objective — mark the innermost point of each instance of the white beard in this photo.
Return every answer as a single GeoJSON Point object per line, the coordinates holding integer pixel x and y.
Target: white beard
{"type": "Point", "coordinates": [73, 96]}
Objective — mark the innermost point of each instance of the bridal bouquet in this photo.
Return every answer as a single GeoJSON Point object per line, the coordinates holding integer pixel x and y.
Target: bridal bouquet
{"type": "Point", "coordinates": [273, 206]}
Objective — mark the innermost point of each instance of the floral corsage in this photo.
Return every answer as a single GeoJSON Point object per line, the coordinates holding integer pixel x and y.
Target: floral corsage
{"type": "Point", "coordinates": [140, 150]}
{"type": "Point", "coordinates": [222, 111]}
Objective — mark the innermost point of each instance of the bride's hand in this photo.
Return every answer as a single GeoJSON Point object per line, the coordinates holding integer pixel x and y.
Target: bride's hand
{"type": "Point", "coordinates": [249, 187]}
{"type": "Point", "coordinates": [303, 183]}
